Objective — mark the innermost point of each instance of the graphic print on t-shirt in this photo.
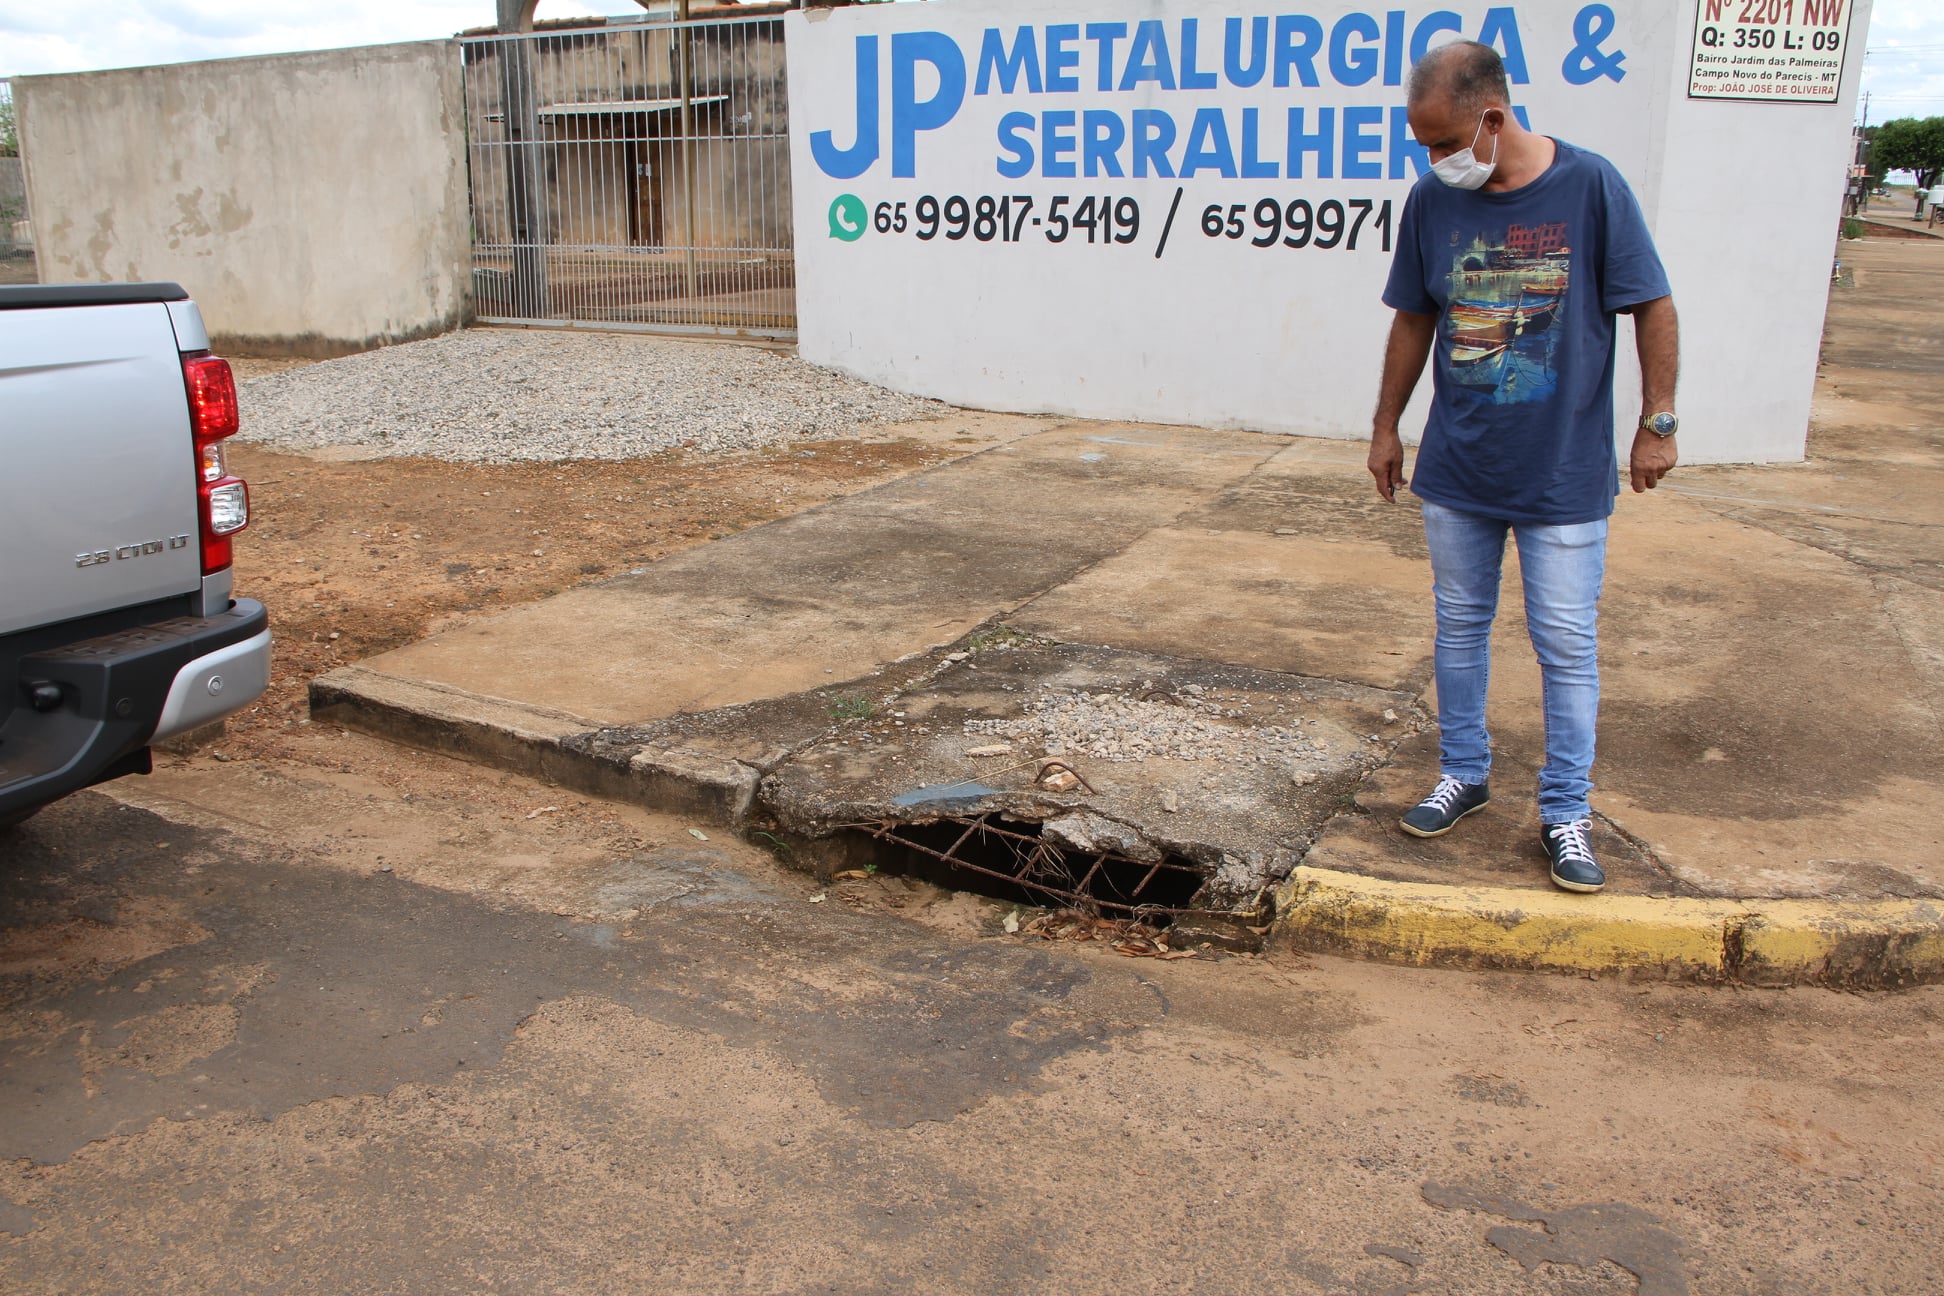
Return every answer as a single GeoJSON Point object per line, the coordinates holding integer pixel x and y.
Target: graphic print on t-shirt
{"type": "Point", "coordinates": [1506, 291]}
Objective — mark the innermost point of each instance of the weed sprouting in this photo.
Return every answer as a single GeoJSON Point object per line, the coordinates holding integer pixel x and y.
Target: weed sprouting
{"type": "Point", "coordinates": [997, 637]}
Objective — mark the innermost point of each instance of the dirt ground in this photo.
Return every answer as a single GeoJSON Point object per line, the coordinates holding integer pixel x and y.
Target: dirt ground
{"type": "Point", "coordinates": [306, 1010]}
{"type": "Point", "coordinates": [375, 1020]}
{"type": "Point", "coordinates": [355, 557]}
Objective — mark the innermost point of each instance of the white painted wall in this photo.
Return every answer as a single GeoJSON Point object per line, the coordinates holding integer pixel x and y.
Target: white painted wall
{"type": "Point", "coordinates": [312, 203]}
{"type": "Point", "coordinates": [1220, 333]}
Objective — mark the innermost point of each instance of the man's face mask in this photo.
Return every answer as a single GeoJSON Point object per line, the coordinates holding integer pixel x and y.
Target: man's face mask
{"type": "Point", "coordinates": [1463, 170]}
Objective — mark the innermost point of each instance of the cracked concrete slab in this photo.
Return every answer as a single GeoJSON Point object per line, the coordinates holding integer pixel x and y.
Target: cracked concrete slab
{"type": "Point", "coordinates": [1771, 645]}
{"type": "Point", "coordinates": [1298, 567]}
{"type": "Point", "coordinates": [1269, 761]}
{"type": "Point", "coordinates": [836, 591]}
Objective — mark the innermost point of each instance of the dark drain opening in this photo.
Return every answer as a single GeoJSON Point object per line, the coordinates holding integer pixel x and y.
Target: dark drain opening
{"type": "Point", "coordinates": [1007, 859]}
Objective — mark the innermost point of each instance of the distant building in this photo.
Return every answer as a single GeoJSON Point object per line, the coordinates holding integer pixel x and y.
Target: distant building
{"type": "Point", "coordinates": [1536, 240]}
{"type": "Point", "coordinates": [609, 104]}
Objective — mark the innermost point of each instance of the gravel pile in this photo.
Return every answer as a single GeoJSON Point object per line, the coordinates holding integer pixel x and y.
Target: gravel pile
{"type": "Point", "coordinates": [1184, 726]}
{"type": "Point", "coordinates": [503, 395]}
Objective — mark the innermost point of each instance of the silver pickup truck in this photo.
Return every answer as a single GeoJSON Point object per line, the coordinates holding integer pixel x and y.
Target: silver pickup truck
{"type": "Point", "coordinates": [117, 509]}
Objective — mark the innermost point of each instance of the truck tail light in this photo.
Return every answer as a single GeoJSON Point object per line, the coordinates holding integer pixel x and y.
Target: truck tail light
{"type": "Point", "coordinates": [223, 500]}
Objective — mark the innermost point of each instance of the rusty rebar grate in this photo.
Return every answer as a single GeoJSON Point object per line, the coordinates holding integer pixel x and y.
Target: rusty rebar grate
{"type": "Point", "coordinates": [1092, 881]}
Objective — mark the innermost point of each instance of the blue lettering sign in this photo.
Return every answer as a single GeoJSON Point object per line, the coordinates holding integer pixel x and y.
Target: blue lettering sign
{"type": "Point", "coordinates": [1191, 77]}
{"type": "Point", "coordinates": [1354, 67]}
{"type": "Point", "coordinates": [1062, 58]}
{"type": "Point", "coordinates": [909, 114]}
{"type": "Point", "coordinates": [1101, 137]}
{"type": "Point", "coordinates": [1254, 167]}
{"type": "Point", "coordinates": [1243, 75]}
{"type": "Point", "coordinates": [1291, 54]}
{"type": "Point", "coordinates": [928, 83]}
{"type": "Point", "coordinates": [1057, 140]}
{"type": "Point", "coordinates": [1208, 145]}
{"type": "Point", "coordinates": [847, 164]}
{"type": "Point", "coordinates": [1020, 163]}
{"type": "Point", "coordinates": [1357, 141]}
{"type": "Point", "coordinates": [1148, 60]}
{"type": "Point", "coordinates": [1104, 35]}
{"type": "Point", "coordinates": [1024, 58]}
{"type": "Point", "coordinates": [1154, 135]}
{"type": "Point", "coordinates": [1322, 143]}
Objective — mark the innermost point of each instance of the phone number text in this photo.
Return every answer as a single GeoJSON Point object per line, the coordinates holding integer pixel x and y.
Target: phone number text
{"type": "Point", "coordinates": [1009, 218]}
{"type": "Point", "coordinates": [1299, 223]}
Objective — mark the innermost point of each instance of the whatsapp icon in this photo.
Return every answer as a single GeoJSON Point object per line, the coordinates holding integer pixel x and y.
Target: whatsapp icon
{"type": "Point", "coordinates": [847, 218]}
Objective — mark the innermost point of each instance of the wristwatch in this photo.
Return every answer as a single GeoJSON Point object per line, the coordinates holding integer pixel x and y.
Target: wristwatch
{"type": "Point", "coordinates": [1661, 425]}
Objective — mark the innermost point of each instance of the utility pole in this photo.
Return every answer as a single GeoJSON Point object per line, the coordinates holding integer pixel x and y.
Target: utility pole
{"type": "Point", "coordinates": [1862, 158]}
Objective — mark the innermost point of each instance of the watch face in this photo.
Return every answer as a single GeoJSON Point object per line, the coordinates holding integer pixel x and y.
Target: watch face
{"type": "Point", "coordinates": [1664, 424]}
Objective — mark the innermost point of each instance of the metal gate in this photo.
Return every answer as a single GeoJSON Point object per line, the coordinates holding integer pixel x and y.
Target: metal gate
{"type": "Point", "coordinates": [633, 175]}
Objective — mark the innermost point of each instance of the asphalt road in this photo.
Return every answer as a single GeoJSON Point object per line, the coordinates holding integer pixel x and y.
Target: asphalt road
{"type": "Point", "coordinates": [363, 1020]}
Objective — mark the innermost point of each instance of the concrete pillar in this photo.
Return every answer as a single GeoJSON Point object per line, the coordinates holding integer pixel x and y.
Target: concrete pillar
{"type": "Point", "coordinates": [526, 168]}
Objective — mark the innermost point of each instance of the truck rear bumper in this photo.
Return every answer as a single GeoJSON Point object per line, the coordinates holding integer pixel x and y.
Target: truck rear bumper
{"type": "Point", "coordinates": [215, 685]}
{"type": "Point", "coordinates": [89, 709]}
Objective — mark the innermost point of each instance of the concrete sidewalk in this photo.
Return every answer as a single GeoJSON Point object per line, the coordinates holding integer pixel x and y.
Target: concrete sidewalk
{"type": "Point", "coordinates": [1770, 780]}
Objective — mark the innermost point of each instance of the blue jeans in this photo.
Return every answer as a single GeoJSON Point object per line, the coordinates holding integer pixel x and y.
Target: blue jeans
{"type": "Point", "coordinates": [1563, 567]}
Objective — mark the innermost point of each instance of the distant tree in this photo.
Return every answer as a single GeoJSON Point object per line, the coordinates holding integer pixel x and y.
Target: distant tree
{"type": "Point", "coordinates": [1911, 144]}
{"type": "Point", "coordinates": [9, 136]}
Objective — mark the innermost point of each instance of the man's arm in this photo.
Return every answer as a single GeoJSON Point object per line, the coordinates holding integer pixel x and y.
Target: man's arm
{"type": "Point", "coordinates": [1404, 355]}
{"type": "Point", "coordinates": [1657, 336]}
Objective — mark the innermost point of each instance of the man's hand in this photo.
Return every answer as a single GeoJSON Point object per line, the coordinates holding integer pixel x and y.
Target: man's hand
{"type": "Point", "coordinates": [1653, 458]}
{"type": "Point", "coordinates": [1405, 352]}
{"type": "Point", "coordinates": [1657, 334]}
{"type": "Point", "coordinates": [1387, 462]}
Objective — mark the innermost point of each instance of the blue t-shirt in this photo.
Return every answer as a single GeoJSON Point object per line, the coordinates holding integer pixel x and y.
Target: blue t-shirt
{"type": "Point", "coordinates": [1525, 285]}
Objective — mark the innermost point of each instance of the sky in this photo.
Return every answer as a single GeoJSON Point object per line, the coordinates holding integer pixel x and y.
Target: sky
{"type": "Point", "coordinates": [1903, 71]}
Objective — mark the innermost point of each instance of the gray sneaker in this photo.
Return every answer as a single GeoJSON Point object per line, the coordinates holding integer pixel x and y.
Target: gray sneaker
{"type": "Point", "coordinates": [1570, 849]}
{"type": "Point", "coordinates": [1449, 802]}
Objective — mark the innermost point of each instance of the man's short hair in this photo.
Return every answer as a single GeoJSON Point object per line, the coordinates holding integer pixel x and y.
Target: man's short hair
{"type": "Point", "coordinates": [1471, 73]}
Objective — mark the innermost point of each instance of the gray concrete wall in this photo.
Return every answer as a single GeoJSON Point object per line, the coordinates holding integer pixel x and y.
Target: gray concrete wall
{"type": "Point", "coordinates": [314, 204]}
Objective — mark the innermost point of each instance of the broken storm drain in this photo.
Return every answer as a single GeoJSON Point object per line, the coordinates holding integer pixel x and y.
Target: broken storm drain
{"type": "Point", "coordinates": [1010, 859]}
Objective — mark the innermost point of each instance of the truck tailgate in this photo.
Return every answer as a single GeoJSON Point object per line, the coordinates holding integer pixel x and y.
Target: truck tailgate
{"type": "Point", "coordinates": [99, 485]}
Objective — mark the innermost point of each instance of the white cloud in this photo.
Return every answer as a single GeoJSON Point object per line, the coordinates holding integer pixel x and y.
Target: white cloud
{"type": "Point", "coordinates": [1904, 69]}
{"type": "Point", "coordinates": [83, 35]}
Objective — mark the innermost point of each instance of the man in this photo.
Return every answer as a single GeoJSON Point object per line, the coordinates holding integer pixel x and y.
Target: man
{"type": "Point", "coordinates": [1513, 258]}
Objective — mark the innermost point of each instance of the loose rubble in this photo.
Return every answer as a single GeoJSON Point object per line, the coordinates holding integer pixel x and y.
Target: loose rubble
{"type": "Point", "coordinates": [1187, 725]}
{"type": "Point", "coordinates": [509, 395]}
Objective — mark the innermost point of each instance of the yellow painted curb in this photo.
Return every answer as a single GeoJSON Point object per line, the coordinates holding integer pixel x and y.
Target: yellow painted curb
{"type": "Point", "coordinates": [1842, 942]}
{"type": "Point", "coordinates": [1830, 942]}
